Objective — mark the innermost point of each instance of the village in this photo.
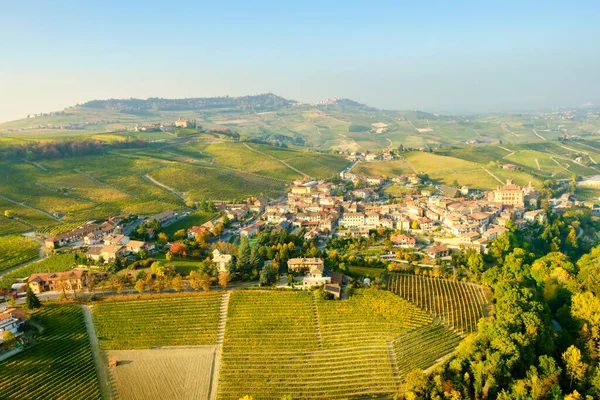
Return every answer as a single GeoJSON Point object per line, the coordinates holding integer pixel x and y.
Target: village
{"type": "Point", "coordinates": [421, 229]}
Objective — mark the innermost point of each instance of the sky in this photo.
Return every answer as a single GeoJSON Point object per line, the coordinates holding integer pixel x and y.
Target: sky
{"type": "Point", "coordinates": [446, 56]}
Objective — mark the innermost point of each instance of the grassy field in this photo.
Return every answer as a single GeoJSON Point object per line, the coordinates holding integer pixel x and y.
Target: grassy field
{"type": "Point", "coordinates": [59, 366]}
{"type": "Point", "coordinates": [358, 272]}
{"type": "Point", "coordinates": [15, 250]}
{"type": "Point", "coordinates": [458, 304]}
{"type": "Point", "coordinates": [279, 343]}
{"type": "Point", "coordinates": [10, 226]}
{"type": "Point", "coordinates": [194, 219]}
{"type": "Point", "coordinates": [161, 320]}
{"type": "Point", "coordinates": [162, 373]}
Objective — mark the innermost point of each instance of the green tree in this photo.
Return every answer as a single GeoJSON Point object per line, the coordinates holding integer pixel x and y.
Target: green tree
{"type": "Point", "coordinates": [31, 300]}
{"type": "Point", "coordinates": [268, 275]}
{"type": "Point", "coordinates": [9, 213]}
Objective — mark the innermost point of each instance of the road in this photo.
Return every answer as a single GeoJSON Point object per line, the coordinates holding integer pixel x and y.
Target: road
{"type": "Point", "coordinates": [99, 358]}
{"type": "Point", "coordinates": [538, 135]}
{"type": "Point", "coordinates": [162, 185]}
{"type": "Point", "coordinates": [276, 159]}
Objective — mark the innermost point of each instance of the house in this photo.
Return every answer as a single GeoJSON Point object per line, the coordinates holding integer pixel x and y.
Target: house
{"type": "Point", "coordinates": [163, 217]}
{"type": "Point", "coordinates": [352, 219]}
{"type": "Point", "coordinates": [182, 123]}
{"type": "Point", "coordinates": [403, 241]}
{"type": "Point", "coordinates": [221, 260]}
{"type": "Point", "coordinates": [510, 167]}
{"type": "Point", "coordinates": [437, 251]}
{"type": "Point", "coordinates": [248, 231]}
{"type": "Point", "coordinates": [72, 280]}
{"type": "Point", "coordinates": [371, 157]}
{"type": "Point", "coordinates": [295, 264]}
{"type": "Point", "coordinates": [135, 246]}
{"type": "Point", "coordinates": [108, 253]}
{"type": "Point", "coordinates": [116, 239]}
{"type": "Point", "coordinates": [535, 216]}
{"type": "Point", "coordinates": [509, 194]}
{"type": "Point", "coordinates": [11, 320]}
{"type": "Point", "coordinates": [315, 276]}
{"type": "Point", "coordinates": [195, 231]}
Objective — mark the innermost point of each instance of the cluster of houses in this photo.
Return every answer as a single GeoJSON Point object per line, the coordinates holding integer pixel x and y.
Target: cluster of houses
{"type": "Point", "coordinates": [376, 181]}
{"type": "Point", "coordinates": [475, 222]}
{"type": "Point", "coordinates": [312, 273]}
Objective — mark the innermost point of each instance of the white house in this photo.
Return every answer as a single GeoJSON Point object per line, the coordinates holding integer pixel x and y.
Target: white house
{"type": "Point", "coordinates": [221, 260]}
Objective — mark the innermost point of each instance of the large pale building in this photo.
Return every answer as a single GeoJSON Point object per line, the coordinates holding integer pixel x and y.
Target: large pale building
{"type": "Point", "coordinates": [509, 194]}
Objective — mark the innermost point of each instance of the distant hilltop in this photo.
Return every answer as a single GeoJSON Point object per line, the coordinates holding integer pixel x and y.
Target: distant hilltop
{"type": "Point", "coordinates": [343, 103]}
{"type": "Point", "coordinates": [263, 102]}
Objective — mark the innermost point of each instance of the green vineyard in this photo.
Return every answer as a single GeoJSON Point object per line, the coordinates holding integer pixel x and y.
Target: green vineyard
{"type": "Point", "coordinates": [458, 304]}
{"type": "Point", "coordinates": [166, 320]}
{"type": "Point", "coordinates": [422, 347]}
{"type": "Point", "coordinates": [279, 343]}
{"type": "Point", "coordinates": [15, 250]}
{"type": "Point", "coordinates": [59, 366]}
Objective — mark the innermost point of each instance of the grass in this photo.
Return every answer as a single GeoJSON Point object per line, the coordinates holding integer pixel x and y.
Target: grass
{"type": "Point", "coordinates": [59, 366]}
{"type": "Point", "coordinates": [15, 250]}
{"type": "Point", "coordinates": [162, 320]}
{"type": "Point", "coordinates": [289, 343]}
{"type": "Point", "coordinates": [194, 219]}
{"type": "Point", "coordinates": [358, 272]}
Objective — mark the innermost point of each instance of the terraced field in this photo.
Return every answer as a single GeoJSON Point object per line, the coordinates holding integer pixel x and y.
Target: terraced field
{"type": "Point", "coordinates": [59, 366]}
{"type": "Point", "coordinates": [161, 320]}
{"type": "Point", "coordinates": [279, 343]}
{"type": "Point", "coordinates": [15, 250]}
{"type": "Point", "coordinates": [423, 347]}
{"type": "Point", "coordinates": [458, 304]}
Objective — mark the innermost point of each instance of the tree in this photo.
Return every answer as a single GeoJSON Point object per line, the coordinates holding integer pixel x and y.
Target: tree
{"type": "Point", "coordinates": [159, 284]}
{"type": "Point", "coordinates": [194, 279]}
{"type": "Point", "coordinates": [140, 286]}
{"type": "Point", "coordinates": [180, 234]}
{"type": "Point", "coordinates": [205, 282]}
{"type": "Point", "coordinates": [576, 368]}
{"type": "Point", "coordinates": [414, 224]}
{"type": "Point", "coordinates": [255, 260]}
{"type": "Point", "coordinates": [9, 213]}
{"type": "Point", "coordinates": [268, 275]}
{"type": "Point", "coordinates": [31, 300]}
{"type": "Point", "coordinates": [116, 284]}
{"type": "Point", "coordinates": [143, 254]}
{"type": "Point", "coordinates": [177, 283]}
{"type": "Point", "coordinates": [243, 260]}
{"type": "Point", "coordinates": [9, 338]}
{"type": "Point", "coordinates": [162, 238]}
{"type": "Point", "coordinates": [169, 256]}
{"type": "Point", "coordinates": [224, 279]}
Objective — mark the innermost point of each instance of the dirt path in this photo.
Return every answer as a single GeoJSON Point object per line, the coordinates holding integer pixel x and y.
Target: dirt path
{"type": "Point", "coordinates": [508, 155]}
{"type": "Point", "coordinates": [560, 165]}
{"type": "Point", "coordinates": [582, 152]}
{"type": "Point", "coordinates": [538, 135]}
{"type": "Point", "coordinates": [493, 176]}
{"type": "Point", "coordinates": [505, 149]}
{"type": "Point", "coordinates": [37, 165]}
{"type": "Point", "coordinates": [538, 164]}
{"type": "Point", "coordinates": [277, 159]}
{"type": "Point", "coordinates": [390, 142]}
{"type": "Point", "coordinates": [413, 125]}
{"type": "Point", "coordinates": [99, 359]}
{"type": "Point", "coordinates": [32, 208]}
{"type": "Point", "coordinates": [162, 185]}
{"type": "Point", "coordinates": [509, 131]}
{"type": "Point", "coordinates": [216, 368]}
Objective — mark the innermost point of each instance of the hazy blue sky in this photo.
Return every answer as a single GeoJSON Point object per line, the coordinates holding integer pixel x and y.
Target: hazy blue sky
{"type": "Point", "coordinates": [438, 56]}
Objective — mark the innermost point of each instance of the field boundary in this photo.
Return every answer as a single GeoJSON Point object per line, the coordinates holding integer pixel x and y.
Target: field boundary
{"type": "Point", "coordinates": [216, 366]}
{"type": "Point", "coordinates": [99, 357]}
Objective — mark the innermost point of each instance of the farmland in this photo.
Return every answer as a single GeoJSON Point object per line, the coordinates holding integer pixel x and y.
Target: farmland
{"type": "Point", "coordinates": [424, 346]}
{"type": "Point", "coordinates": [279, 343]}
{"type": "Point", "coordinates": [161, 320]}
{"type": "Point", "coordinates": [176, 373]}
{"type": "Point", "coordinates": [10, 226]}
{"type": "Point", "coordinates": [59, 366]}
{"type": "Point", "coordinates": [459, 304]}
{"type": "Point", "coordinates": [15, 250]}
